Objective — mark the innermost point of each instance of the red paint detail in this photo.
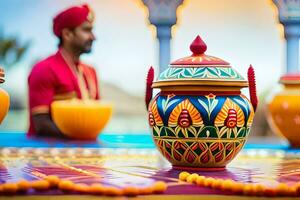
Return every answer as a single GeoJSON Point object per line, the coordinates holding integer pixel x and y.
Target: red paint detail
{"type": "Point", "coordinates": [167, 145]}
{"type": "Point", "coordinates": [214, 147]}
{"type": "Point", "coordinates": [198, 46]}
{"type": "Point", "coordinates": [190, 157]}
{"type": "Point", "coordinates": [219, 156]}
{"type": "Point", "coordinates": [230, 155]}
{"type": "Point", "coordinates": [205, 158]}
{"type": "Point", "coordinates": [231, 120]}
{"type": "Point", "coordinates": [229, 146]}
{"type": "Point", "coordinates": [205, 169]}
{"type": "Point", "coordinates": [291, 77]}
{"type": "Point", "coordinates": [177, 156]}
{"type": "Point", "coordinates": [168, 156]}
{"type": "Point", "coordinates": [195, 146]}
{"type": "Point", "coordinates": [202, 147]}
{"type": "Point", "coordinates": [252, 87]}
{"type": "Point", "coordinates": [198, 58]}
{"type": "Point", "coordinates": [176, 145]}
{"type": "Point", "coordinates": [151, 119]}
{"type": "Point", "coordinates": [184, 119]}
{"type": "Point", "coordinates": [149, 90]}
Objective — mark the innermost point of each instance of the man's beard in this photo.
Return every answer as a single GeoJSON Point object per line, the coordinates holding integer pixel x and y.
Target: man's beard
{"type": "Point", "coordinates": [86, 48]}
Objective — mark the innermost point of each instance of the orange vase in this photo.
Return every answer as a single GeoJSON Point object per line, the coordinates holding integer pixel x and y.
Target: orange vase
{"type": "Point", "coordinates": [4, 99]}
{"type": "Point", "coordinates": [284, 110]}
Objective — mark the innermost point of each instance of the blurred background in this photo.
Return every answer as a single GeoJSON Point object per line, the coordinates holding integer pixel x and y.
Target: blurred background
{"type": "Point", "coordinates": [238, 31]}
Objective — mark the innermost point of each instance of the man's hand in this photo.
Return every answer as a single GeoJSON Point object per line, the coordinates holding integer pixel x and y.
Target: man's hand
{"type": "Point", "coordinates": [44, 126]}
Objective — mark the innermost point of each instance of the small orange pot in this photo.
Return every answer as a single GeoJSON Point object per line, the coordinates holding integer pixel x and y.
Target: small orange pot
{"type": "Point", "coordinates": [284, 110]}
{"type": "Point", "coordinates": [4, 98]}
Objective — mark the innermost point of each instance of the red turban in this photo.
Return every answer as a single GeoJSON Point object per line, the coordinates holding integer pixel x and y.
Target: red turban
{"type": "Point", "coordinates": [71, 18]}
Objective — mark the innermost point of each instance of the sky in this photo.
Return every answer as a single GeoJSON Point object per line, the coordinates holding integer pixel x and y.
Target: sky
{"type": "Point", "coordinates": [242, 32]}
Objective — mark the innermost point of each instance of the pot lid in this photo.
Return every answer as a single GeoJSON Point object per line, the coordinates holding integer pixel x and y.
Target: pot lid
{"type": "Point", "coordinates": [293, 79]}
{"type": "Point", "coordinates": [1, 75]}
{"type": "Point", "coordinates": [200, 69]}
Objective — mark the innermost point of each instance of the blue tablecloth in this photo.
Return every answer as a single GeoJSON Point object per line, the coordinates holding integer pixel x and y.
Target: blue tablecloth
{"type": "Point", "coordinates": [105, 140]}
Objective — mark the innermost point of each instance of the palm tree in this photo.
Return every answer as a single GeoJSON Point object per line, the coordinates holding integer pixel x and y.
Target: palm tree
{"type": "Point", "coordinates": [11, 50]}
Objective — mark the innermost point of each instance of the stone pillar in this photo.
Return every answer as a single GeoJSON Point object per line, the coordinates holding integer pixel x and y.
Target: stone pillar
{"type": "Point", "coordinates": [289, 17]}
{"type": "Point", "coordinates": [162, 14]}
{"type": "Point", "coordinates": [292, 36]}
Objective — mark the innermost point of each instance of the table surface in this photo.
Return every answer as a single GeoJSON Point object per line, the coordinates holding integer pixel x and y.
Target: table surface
{"type": "Point", "coordinates": [132, 160]}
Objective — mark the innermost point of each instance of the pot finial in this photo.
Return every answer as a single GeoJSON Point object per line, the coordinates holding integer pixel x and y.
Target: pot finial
{"type": "Point", "coordinates": [198, 46]}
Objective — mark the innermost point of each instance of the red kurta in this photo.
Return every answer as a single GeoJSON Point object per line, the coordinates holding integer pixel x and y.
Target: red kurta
{"type": "Point", "coordinates": [56, 78]}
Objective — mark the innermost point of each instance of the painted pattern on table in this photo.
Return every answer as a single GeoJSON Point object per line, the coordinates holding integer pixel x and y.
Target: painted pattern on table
{"type": "Point", "coordinates": [140, 168]}
{"type": "Point", "coordinates": [208, 130]}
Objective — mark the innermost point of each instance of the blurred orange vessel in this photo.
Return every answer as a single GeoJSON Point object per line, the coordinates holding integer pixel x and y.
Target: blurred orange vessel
{"type": "Point", "coordinates": [285, 109]}
{"type": "Point", "coordinates": [81, 119]}
{"type": "Point", "coordinates": [4, 98]}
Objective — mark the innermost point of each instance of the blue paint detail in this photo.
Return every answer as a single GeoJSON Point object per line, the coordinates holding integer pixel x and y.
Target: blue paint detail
{"type": "Point", "coordinates": [246, 111]}
{"type": "Point", "coordinates": [208, 120]}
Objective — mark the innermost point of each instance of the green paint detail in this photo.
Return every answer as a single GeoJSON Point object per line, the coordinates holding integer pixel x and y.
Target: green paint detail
{"type": "Point", "coordinates": [242, 133]}
{"type": "Point", "coordinates": [169, 149]}
{"type": "Point", "coordinates": [201, 73]}
{"type": "Point", "coordinates": [232, 134]}
{"type": "Point", "coordinates": [170, 132]}
{"type": "Point", "coordinates": [198, 151]}
{"type": "Point", "coordinates": [154, 132]}
{"type": "Point", "coordinates": [180, 134]}
{"type": "Point", "coordinates": [163, 132]}
{"type": "Point", "coordinates": [208, 132]}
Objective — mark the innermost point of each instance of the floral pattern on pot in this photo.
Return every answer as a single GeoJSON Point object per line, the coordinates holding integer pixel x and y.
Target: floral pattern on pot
{"type": "Point", "coordinates": [200, 131]}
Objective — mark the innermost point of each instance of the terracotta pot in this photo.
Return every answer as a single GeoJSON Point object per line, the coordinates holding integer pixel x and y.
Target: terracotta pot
{"type": "Point", "coordinates": [4, 98]}
{"type": "Point", "coordinates": [200, 119]}
{"type": "Point", "coordinates": [284, 110]}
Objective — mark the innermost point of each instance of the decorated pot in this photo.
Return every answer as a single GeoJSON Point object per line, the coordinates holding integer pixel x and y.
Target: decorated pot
{"type": "Point", "coordinates": [4, 98]}
{"type": "Point", "coordinates": [284, 109]}
{"type": "Point", "coordinates": [200, 119]}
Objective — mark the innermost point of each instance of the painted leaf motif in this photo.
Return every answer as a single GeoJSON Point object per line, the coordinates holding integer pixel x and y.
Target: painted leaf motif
{"type": "Point", "coordinates": [171, 132]}
{"type": "Point", "coordinates": [192, 111]}
{"type": "Point", "coordinates": [233, 73]}
{"type": "Point", "coordinates": [242, 103]}
{"type": "Point", "coordinates": [206, 73]}
{"type": "Point", "coordinates": [213, 72]}
{"type": "Point", "coordinates": [166, 103]}
{"type": "Point", "coordinates": [224, 72]}
{"type": "Point", "coordinates": [187, 73]}
{"type": "Point", "coordinates": [174, 72]}
{"type": "Point", "coordinates": [185, 133]}
{"type": "Point", "coordinates": [192, 130]}
{"type": "Point", "coordinates": [199, 72]}
{"type": "Point", "coordinates": [155, 114]}
{"type": "Point", "coordinates": [157, 130]}
{"type": "Point", "coordinates": [212, 103]}
{"type": "Point", "coordinates": [223, 132]}
{"type": "Point", "coordinates": [224, 113]}
{"type": "Point", "coordinates": [241, 132]}
{"type": "Point", "coordinates": [205, 106]}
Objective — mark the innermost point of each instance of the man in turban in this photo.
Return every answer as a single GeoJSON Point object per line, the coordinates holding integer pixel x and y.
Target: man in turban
{"type": "Point", "coordinates": [63, 75]}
